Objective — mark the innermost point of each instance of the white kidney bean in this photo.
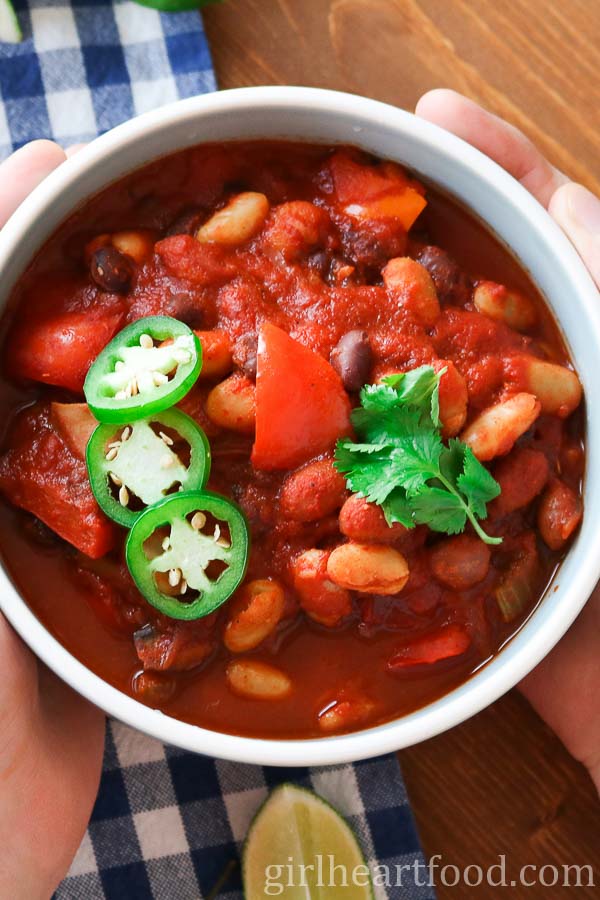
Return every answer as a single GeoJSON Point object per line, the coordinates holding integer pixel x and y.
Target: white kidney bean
{"type": "Point", "coordinates": [257, 680]}
{"type": "Point", "coordinates": [511, 307]}
{"type": "Point", "coordinates": [343, 715]}
{"type": "Point", "coordinates": [139, 245]}
{"type": "Point", "coordinates": [558, 389]}
{"type": "Point", "coordinates": [495, 430]}
{"type": "Point", "coordinates": [237, 222]}
{"type": "Point", "coordinates": [255, 612]}
{"type": "Point", "coordinates": [372, 568]}
{"type": "Point", "coordinates": [232, 404]}
{"type": "Point", "coordinates": [217, 356]}
{"type": "Point", "coordinates": [411, 285]}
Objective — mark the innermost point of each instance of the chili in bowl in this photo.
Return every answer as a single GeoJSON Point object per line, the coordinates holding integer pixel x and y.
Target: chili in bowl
{"type": "Point", "coordinates": [294, 460]}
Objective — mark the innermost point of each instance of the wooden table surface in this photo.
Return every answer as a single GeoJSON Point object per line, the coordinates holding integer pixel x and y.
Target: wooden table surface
{"type": "Point", "coordinates": [501, 783]}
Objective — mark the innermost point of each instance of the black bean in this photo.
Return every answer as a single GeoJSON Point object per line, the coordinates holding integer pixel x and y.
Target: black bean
{"type": "Point", "coordinates": [451, 283]}
{"type": "Point", "coordinates": [184, 307]}
{"type": "Point", "coordinates": [245, 354]}
{"type": "Point", "coordinates": [112, 271]}
{"type": "Point", "coordinates": [352, 358]}
{"type": "Point", "coordinates": [319, 261]}
{"type": "Point", "coordinates": [188, 222]}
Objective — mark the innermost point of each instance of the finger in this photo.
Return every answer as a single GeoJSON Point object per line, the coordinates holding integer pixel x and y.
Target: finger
{"type": "Point", "coordinates": [577, 211]}
{"type": "Point", "coordinates": [73, 149]}
{"type": "Point", "coordinates": [497, 139]}
{"type": "Point", "coordinates": [23, 171]}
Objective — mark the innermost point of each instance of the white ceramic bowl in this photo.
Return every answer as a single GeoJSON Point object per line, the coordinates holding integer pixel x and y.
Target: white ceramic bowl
{"type": "Point", "coordinates": [328, 117]}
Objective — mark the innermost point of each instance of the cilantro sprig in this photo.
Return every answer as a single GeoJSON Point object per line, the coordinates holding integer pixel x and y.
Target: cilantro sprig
{"type": "Point", "coordinates": [400, 462]}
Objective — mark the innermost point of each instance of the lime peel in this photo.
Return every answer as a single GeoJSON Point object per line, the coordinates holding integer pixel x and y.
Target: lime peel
{"type": "Point", "coordinates": [291, 843]}
{"type": "Point", "coordinates": [10, 30]}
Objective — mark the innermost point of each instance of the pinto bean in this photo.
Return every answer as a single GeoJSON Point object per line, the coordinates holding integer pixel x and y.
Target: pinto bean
{"type": "Point", "coordinates": [312, 492]}
{"type": "Point", "coordinates": [499, 303]}
{"type": "Point", "coordinates": [557, 388]}
{"type": "Point", "coordinates": [112, 271]}
{"type": "Point", "coordinates": [345, 714]}
{"type": "Point", "coordinates": [460, 562]}
{"type": "Point", "coordinates": [240, 220]}
{"type": "Point", "coordinates": [410, 285]}
{"type": "Point", "coordinates": [153, 689]}
{"type": "Point", "coordinates": [451, 283]}
{"type": "Point", "coordinates": [257, 680]}
{"type": "Point", "coordinates": [321, 599]}
{"type": "Point", "coordinates": [352, 358]}
{"type": "Point", "coordinates": [232, 404]}
{"type": "Point", "coordinates": [522, 475]}
{"type": "Point", "coordinates": [559, 514]}
{"type": "Point", "coordinates": [254, 613]}
{"type": "Point", "coordinates": [217, 358]}
{"type": "Point", "coordinates": [371, 568]}
{"type": "Point", "coordinates": [495, 430]}
{"type": "Point", "coordinates": [365, 522]}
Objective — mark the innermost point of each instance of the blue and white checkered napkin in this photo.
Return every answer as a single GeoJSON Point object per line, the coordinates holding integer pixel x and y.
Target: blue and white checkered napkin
{"type": "Point", "coordinates": [167, 824]}
{"type": "Point", "coordinates": [88, 65]}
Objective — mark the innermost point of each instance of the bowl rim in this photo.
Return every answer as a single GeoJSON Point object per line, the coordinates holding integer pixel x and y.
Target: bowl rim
{"type": "Point", "coordinates": [550, 619]}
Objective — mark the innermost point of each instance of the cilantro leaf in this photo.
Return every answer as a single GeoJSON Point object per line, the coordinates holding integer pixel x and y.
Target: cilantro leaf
{"type": "Point", "coordinates": [417, 388]}
{"type": "Point", "coordinates": [476, 484]}
{"type": "Point", "coordinates": [369, 474]}
{"type": "Point", "coordinates": [440, 510]}
{"type": "Point", "coordinates": [396, 508]}
{"type": "Point", "coordinates": [401, 463]}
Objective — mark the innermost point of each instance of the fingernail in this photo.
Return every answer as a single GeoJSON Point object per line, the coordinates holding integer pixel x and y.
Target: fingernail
{"type": "Point", "coordinates": [584, 208]}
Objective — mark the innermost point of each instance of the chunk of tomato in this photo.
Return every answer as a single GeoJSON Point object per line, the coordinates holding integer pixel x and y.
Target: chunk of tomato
{"type": "Point", "coordinates": [57, 345]}
{"type": "Point", "coordinates": [40, 474]}
{"type": "Point", "coordinates": [448, 641]}
{"type": "Point", "coordinates": [200, 264]}
{"type": "Point", "coordinates": [301, 405]}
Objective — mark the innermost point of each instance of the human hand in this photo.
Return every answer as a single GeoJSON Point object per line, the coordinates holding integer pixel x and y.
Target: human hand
{"type": "Point", "coordinates": [52, 740]}
{"type": "Point", "coordinates": [565, 687]}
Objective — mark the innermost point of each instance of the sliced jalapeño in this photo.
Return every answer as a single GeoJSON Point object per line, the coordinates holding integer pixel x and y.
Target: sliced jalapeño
{"type": "Point", "coordinates": [188, 553]}
{"type": "Point", "coordinates": [132, 466]}
{"type": "Point", "coordinates": [149, 366]}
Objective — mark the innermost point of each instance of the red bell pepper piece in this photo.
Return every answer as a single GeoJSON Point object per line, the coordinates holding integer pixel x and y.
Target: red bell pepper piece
{"type": "Point", "coordinates": [40, 474]}
{"type": "Point", "coordinates": [301, 405]}
{"type": "Point", "coordinates": [376, 192]}
{"type": "Point", "coordinates": [448, 641]}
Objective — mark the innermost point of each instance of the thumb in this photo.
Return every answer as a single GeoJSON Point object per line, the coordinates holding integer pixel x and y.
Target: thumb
{"type": "Point", "coordinates": [18, 696]}
{"type": "Point", "coordinates": [577, 211]}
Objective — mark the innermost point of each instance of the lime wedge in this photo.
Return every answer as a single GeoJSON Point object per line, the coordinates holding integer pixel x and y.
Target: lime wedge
{"type": "Point", "coordinates": [10, 30]}
{"type": "Point", "coordinates": [299, 848]}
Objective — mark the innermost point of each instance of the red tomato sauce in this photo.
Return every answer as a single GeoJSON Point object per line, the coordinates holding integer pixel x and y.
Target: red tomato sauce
{"type": "Point", "coordinates": [314, 269]}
